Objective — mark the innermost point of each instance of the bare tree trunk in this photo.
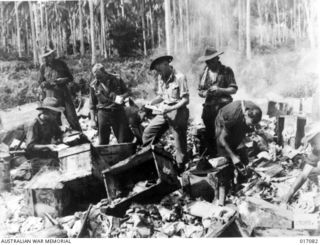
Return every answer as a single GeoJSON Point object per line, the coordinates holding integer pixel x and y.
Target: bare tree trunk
{"type": "Point", "coordinates": [278, 21]}
{"type": "Point", "coordinates": [168, 26]}
{"type": "Point", "coordinates": [3, 27]}
{"type": "Point", "coordinates": [188, 26]}
{"type": "Point", "coordinates": [248, 41]}
{"type": "Point", "coordinates": [142, 14]}
{"type": "Point", "coordinates": [26, 38]}
{"type": "Point", "coordinates": [81, 29]}
{"type": "Point", "coordinates": [103, 28]}
{"type": "Point", "coordinates": [18, 29]}
{"type": "Point", "coordinates": [159, 32]}
{"type": "Point", "coordinates": [122, 9]}
{"type": "Point", "coordinates": [33, 34]}
{"type": "Point", "coordinates": [151, 23]}
{"type": "Point", "coordinates": [74, 34]}
{"type": "Point", "coordinates": [37, 29]}
{"type": "Point", "coordinates": [181, 23]}
{"type": "Point", "coordinates": [175, 27]}
{"type": "Point", "coordinates": [93, 48]}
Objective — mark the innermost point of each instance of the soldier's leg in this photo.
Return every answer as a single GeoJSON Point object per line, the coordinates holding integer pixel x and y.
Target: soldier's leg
{"type": "Point", "coordinates": [208, 120]}
{"type": "Point", "coordinates": [71, 115]}
{"type": "Point", "coordinates": [104, 126]}
{"type": "Point", "coordinates": [120, 126]}
{"type": "Point", "coordinates": [154, 130]}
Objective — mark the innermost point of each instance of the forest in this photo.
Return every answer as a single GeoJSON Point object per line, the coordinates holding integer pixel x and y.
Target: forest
{"type": "Point", "coordinates": [254, 35]}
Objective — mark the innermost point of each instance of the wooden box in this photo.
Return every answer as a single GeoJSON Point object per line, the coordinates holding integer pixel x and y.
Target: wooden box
{"type": "Point", "coordinates": [290, 130]}
{"type": "Point", "coordinates": [113, 154]}
{"type": "Point", "coordinates": [43, 196]}
{"type": "Point", "coordinates": [151, 164]}
{"type": "Point", "coordinates": [81, 161]}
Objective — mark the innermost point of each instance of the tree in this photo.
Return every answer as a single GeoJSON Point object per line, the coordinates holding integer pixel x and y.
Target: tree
{"type": "Point", "coordinates": [93, 48]}
{"type": "Point", "coordinates": [168, 26]}
{"type": "Point", "coordinates": [248, 38]}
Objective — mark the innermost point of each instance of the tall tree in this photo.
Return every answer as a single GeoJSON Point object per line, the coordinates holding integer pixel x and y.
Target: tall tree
{"type": "Point", "coordinates": [142, 13]}
{"type": "Point", "coordinates": [81, 28]}
{"type": "Point", "coordinates": [168, 25]}
{"type": "Point", "coordinates": [93, 48]}
{"type": "Point", "coordinates": [33, 34]}
{"type": "Point", "coordinates": [248, 37]}
{"type": "Point", "coordinates": [18, 28]}
{"type": "Point", "coordinates": [103, 49]}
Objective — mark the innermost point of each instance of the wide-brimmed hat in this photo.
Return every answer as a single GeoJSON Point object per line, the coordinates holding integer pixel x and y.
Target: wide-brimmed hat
{"type": "Point", "coordinates": [97, 67]}
{"type": "Point", "coordinates": [50, 103]}
{"type": "Point", "coordinates": [311, 131]}
{"type": "Point", "coordinates": [46, 52]}
{"type": "Point", "coordinates": [202, 168]}
{"type": "Point", "coordinates": [159, 59]}
{"type": "Point", "coordinates": [209, 54]}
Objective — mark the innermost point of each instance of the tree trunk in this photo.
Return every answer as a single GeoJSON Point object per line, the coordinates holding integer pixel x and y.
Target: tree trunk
{"type": "Point", "coordinates": [122, 9]}
{"type": "Point", "coordinates": [81, 29]}
{"type": "Point", "coordinates": [168, 26]}
{"type": "Point", "coordinates": [151, 23]}
{"type": "Point", "coordinates": [33, 34]}
{"type": "Point", "coordinates": [175, 27]}
{"type": "Point", "coordinates": [74, 34]}
{"type": "Point", "coordinates": [3, 27]}
{"type": "Point", "coordinates": [188, 26]}
{"type": "Point", "coordinates": [103, 28]}
{"type": "Point", "coordinates": [248, 41]}
{"type": "Point", "coordinates": [37, 30]}
{"type": "Point", "coordinates": [240, 25]}
{"type": "Point", "coordinates": [26, 38]}
{"type": "Point", "coordinates": [181, 23]}
{"type": "Point", "coordinates": [18, 29]}
{"type": "Point", "coordinates": [159, 32]}
{"type": "Point", "coordinates": [93, 48]}
{"type": "Point", "coordinates": [142, 14]}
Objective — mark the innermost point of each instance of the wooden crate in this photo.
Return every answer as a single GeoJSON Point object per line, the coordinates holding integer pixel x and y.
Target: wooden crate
{"type": "Point", "coordinates": [81, 161]}
{"type": "Point", "coordinates": [113, 154]}
{"type": "Point", "coordinates": [43, 196]}
{"type": "Point", "coordinates": [150, 163]}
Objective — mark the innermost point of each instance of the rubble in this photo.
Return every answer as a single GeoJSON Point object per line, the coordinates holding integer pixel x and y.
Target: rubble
{"type": "Point", "coordinates": [143, 197]}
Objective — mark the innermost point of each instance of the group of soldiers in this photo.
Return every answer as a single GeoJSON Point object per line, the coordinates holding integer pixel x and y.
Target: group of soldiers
{"type": "Point", "coordinates": [226, 121]}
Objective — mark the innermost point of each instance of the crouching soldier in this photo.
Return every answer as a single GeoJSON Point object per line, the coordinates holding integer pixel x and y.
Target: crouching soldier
{"type": "Point", "coordinates": [233, 122]}
{"type": "Point", "coordinates": [173, 94]}
{"type": "Point", "coordinates": [107, 94]}
{"type": "Point", "coordinates": [311, 167]}
{"type": "Point", "coordinates": [43, 136]}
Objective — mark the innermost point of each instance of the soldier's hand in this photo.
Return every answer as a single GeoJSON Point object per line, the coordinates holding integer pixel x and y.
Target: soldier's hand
{"type": "Point", "coordinates": [235, 160]}
{"type": "Point", "coordinates": [213, 88]}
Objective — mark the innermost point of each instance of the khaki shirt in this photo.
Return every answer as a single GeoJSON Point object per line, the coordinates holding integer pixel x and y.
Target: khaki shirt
{"type": "Point", "coordinates": [174, 89]}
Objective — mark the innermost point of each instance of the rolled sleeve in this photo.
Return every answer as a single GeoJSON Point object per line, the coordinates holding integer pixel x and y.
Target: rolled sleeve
{"type": "Point", "coordinates": [231, 79]}
{"type": "Point", "coordinates": [183, 87]}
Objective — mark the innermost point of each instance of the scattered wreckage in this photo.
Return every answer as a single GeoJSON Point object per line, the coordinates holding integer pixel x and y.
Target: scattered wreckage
{"type": "Point", "coordinates": [118, 190]}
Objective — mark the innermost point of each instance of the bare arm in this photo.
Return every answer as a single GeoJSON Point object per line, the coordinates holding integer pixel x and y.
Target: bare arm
{"type": "Point", "coordinates": [299, 182]}
{"type": "Point", "coordinates": [156, 100]}
{"type": "Point", "coordinates": [222, 139]}
{"type": "Point", "coordinates": [184, 101]}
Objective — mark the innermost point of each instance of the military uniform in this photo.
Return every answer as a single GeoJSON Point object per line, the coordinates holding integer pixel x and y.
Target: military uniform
{"type": "Point", "coordinates": [171, 92]}
{"type": "Point", "coordinates": [214, 101]}
{"type": "Point", "coordinates": [103, 95]}
{"type": "Point", "coordinates": [49, 73]}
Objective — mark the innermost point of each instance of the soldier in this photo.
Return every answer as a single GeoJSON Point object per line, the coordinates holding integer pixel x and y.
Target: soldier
{"type": "Point", "coordinates": [217, 84]}
{"type": "Point", "coordinates": [232, 124]}
{"type": "Point", "coordinates": [44, 134]}
{"type": "Point", "coordinates": [54, 78]}
{"type": "Point", "coordinates": [107, 94]}
{"type": "Point", "coordinates": [173, 94]}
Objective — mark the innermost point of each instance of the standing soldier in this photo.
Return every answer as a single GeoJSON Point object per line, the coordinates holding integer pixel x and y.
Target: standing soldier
{"type": "Point", "coordinates": [217, 84]}
{"type": "Point", "coordinates": [54, 78]}
{"type": "Point", "coordinates": [107, 94]}
{"type": "Point", "coordinates": [173, 95]}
